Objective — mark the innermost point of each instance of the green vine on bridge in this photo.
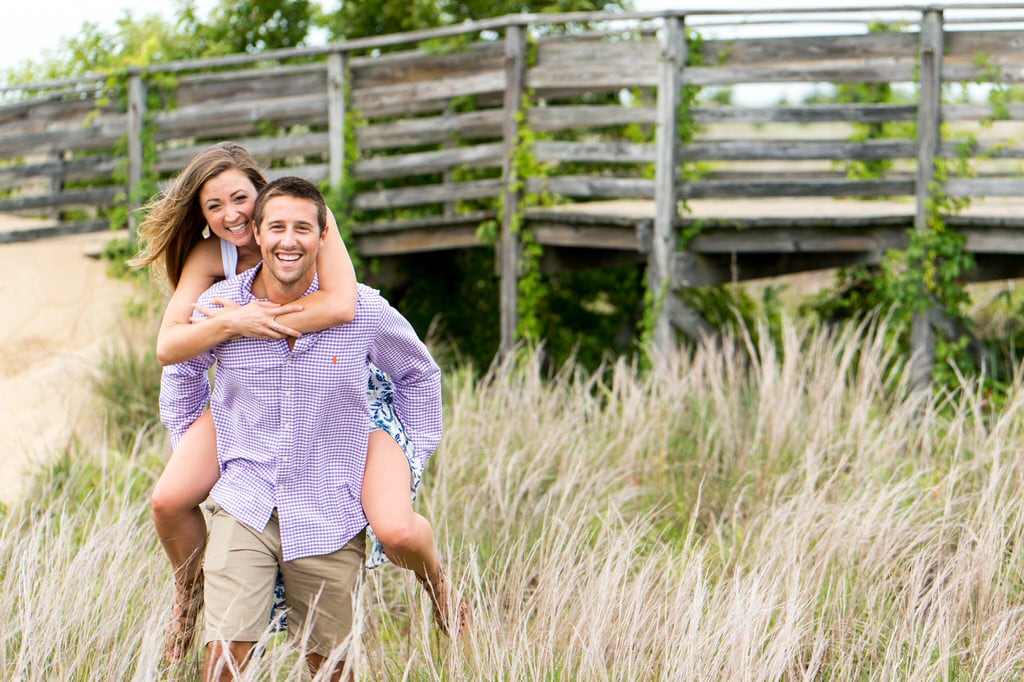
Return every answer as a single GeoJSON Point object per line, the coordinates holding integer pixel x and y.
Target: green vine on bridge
{"type": "Point", "coordinates": [930, 272]}
{"type": "Point", "coordinates": [340, 199]}
{"type": "Point", "coordinates": [159, 89]}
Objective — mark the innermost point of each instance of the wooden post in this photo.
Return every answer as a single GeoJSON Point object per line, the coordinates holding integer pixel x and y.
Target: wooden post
{"type": "Point", "coordinates": [136, 155]}
{"type": "Point", "coordinates": [336, 119]}
{"type": "Point", "coordinates": [508, 248]}
{"type": "Point", "coordinates": [56, 181]}
{"type": "Point", "coordinates": [929, 114]}
{"type": "Point", "coordinates": [662, 253]}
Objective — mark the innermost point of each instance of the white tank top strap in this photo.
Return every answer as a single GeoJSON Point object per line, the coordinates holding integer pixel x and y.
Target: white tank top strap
{"type": "Point", "coordinates": [229, 258]}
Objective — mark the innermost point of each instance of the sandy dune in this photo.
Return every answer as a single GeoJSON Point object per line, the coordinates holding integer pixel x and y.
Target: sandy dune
{"type": "Point", "coordinates": [59, 310]}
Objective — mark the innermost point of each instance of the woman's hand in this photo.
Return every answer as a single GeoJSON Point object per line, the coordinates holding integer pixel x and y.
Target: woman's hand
{"type": "Point", "coordinates": [257, 319]}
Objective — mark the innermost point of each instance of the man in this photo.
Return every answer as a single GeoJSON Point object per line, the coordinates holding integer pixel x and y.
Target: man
{"type": "Point", "coordinates": [292, 429]}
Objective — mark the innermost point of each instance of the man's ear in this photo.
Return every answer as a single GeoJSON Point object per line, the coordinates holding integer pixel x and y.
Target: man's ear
{"type": "Point", "coordinates": [255, 232]}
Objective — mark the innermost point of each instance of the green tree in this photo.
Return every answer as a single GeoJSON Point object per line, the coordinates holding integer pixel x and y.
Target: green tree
{"type": "Point", "coordinates": [254, 25]}
{"type": "Point", "coordinates": [457, 11]}
{"type": "Point", "coordinates": [358, 19]}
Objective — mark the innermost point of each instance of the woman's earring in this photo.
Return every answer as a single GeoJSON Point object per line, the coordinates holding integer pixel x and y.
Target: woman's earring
{"type": "Point", "coordinates": [206, 232]}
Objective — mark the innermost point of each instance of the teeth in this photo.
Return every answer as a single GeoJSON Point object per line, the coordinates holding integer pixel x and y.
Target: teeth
{"type": "Point", "coordinates": [290, 257]}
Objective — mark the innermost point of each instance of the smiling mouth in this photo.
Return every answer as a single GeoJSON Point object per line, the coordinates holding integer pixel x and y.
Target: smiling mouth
{"type": "Point", "coordinates": [289, 257]}
{"type": "Point", "coordinates": [236, 229]}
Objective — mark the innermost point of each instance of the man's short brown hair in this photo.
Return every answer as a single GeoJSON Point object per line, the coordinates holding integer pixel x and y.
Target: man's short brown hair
{"type": "Point", "coordinates": [291, 186]}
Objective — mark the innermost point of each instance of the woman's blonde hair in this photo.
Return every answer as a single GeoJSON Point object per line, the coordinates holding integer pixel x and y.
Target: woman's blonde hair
{"type": "Point", "coordinates": [175, 222]}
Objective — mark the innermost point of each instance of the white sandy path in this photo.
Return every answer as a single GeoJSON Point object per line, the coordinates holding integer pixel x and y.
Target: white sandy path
{"type": "Point", "coordinates": [59, 309]}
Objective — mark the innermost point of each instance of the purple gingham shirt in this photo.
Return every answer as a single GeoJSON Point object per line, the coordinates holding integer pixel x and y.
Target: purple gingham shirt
{"type": "Point", "coordinates": [292, 424]}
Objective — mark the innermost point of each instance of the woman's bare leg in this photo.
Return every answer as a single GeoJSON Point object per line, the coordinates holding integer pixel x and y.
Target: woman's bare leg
{"type": "Point", "coordinates": [406, 536]}
{"type": "Point", "coordinates": [185, 482]}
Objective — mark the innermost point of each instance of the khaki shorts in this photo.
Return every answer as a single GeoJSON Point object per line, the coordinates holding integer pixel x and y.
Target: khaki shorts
{"type": "Point", "coordinates": [241, 568]}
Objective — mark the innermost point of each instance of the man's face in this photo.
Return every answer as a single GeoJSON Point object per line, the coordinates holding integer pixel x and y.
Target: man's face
{"type": "Point", "coordinates": [289, 239]}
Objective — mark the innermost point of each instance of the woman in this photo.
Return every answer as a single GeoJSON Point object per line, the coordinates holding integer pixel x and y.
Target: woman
{"type": "Point", "coordinates": [215, 194]}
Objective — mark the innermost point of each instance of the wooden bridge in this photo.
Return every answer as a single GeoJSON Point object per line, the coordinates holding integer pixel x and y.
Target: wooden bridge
{"type": "Point", "coordinates": [615, 116]}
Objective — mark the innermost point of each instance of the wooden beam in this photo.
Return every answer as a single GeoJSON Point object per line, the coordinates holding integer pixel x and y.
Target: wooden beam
{"type": "Point", "coordinates": [929, 112]}
{"type": "Point", "coordinates": [336, 128]}
{"type": "Point", "coordinates": [508, 256]}
{"type": "Point", "coordinates": [415, 241]}
{"type": "Point", "coordinates": [136, 157]}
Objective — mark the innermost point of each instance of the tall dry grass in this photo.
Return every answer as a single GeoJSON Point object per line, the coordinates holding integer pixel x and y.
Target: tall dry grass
{"type": "Point", "coordinates": [742, 513]}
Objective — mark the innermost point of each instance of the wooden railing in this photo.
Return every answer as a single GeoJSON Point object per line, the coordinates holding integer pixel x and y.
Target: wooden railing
{"type": "Point", "coordinates": [435, 130]}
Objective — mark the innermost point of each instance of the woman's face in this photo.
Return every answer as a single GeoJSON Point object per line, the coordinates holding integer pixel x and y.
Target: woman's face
{"type": "Point", "coordinates": [227, 201]}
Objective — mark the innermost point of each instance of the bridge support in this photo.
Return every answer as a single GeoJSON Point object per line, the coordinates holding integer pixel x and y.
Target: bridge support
{"type": "Point", "coordinates": [508, 247]}
{"type": "Point", "coordinates": [660, 258]}
{"type": "Point", "coordinates": [929, 114]}
{"type": "Point", "coordinates": [663, 258]}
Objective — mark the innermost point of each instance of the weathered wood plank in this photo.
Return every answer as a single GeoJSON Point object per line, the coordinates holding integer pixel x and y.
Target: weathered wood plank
{"type": "Point", "coordinates": [995, 70]}
{"type": "Point", "coordinates": [415, 132]}
{"type": "Point", "coordinates": [416, 241]}
{"type": "Point", "coordinates": [703, 269]}
{"type": "Point", "coordinates": [240, 118]}
{"type": "Point", "coordinates": [95, 130]}
{"type": "Point", "coordinates": [224, 87]}
{"type": "Point", "coordinates": [796, 150]}
{"type": "Point", "coordinates": [418, 65]}
{"type": "Point", "coordinates": [812, 113]}
{"type": "Point", "coordinates": [83, 169]}
{"type": "Point", "coordinates": [427, 194]}
{"type": "Point", "coordinates": [561, 53]}
{"type": "Point", "coordinates": [314, 172]}
{"type": "Point", "coordinates": [989, 149]}
{"type": "Point", "coordinates": [78, 138]}
{"type": "Point", "coordinates": [580, 236]}
{"type": "Point", "coordinates": [568, 117]}
{"type": "Point", "coordinates": [827, 48]}
{"type": "Point", "coordinates": [984, 187]}
{"type": "Point", "coordinates": [794, 187]}
{"type": "Point", "coordinates": [887, 71]}
{"type": "Point", "coordinates": [595, 152]}
{"type": "Point", "coordinates": [422, 163]}
{"type": "Point", "coordinates": [593, 77]}
{"type": "Point", "coordinates": [47, 113]}
{"type": "Point", "coordinates": [981, 45]}
{"type": "Point", "coordinates": [49, 231]}
{"type": "Point", "coordinates": [97, 196]}
{"type": "Point", "coordinates": [980, 112]}
{"type": "Point", "coordinates": [593, 186]}
{"type": "Point", "coordinates": [793, 240]}
{"type": "Point", "coordinates": [428, 91]}
{"type": "Point", "coordinates": [440, 222]}
{"type": "Point", "coordinates": [263, 149]}
{"type": "Point", "coordinates": [994, 240]}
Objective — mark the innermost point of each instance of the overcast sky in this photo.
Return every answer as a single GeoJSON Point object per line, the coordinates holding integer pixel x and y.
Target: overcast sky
{"type": "Point", "coordinates": [32, 27]}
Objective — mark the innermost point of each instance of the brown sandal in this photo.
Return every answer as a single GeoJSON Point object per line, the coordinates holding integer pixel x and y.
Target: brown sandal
{"type": "Point", "coordinates": [188, 602]}
{"type": "Point", "coordinates": [449, 607]}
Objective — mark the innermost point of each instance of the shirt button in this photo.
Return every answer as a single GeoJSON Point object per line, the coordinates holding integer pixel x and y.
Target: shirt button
{"type": "Point", "coordinates": [287, 394]}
